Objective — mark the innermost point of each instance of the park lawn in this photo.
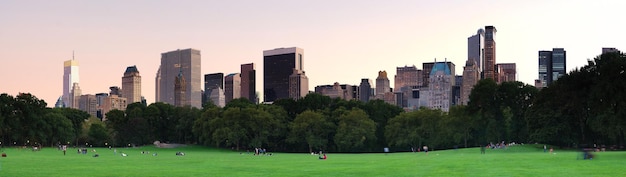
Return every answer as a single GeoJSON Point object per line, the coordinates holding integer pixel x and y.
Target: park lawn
{"type": "Point", "coordinates": [202, 161]}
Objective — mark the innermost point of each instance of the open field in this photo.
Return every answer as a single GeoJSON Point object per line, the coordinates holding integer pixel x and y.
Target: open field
{"type": "Point", "coordinates": [201, 161]}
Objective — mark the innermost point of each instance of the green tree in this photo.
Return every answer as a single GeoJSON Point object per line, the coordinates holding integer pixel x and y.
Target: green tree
{"type": "Point", "coordinates": [354, 130]}
{"type": "Point", "coordinates": [312, 128]}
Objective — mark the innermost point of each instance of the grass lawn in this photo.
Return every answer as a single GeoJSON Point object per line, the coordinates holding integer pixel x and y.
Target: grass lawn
{"type": "Point", "coordinates": [201, 161]}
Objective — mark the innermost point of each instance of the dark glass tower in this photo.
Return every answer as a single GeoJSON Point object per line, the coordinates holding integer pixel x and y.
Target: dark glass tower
{"type": "Point", "coordinates": [278, 65]}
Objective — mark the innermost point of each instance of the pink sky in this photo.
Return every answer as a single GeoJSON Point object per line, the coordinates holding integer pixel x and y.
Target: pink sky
{"type": "Point", "coordinates": [343, 41]}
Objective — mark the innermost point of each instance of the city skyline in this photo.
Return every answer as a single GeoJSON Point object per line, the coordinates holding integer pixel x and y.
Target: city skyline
{"type": "Point", "coordinates": [345, 41]}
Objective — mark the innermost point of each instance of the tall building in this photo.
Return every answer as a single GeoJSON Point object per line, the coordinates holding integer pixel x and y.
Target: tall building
{"type": "Point", "coordinates": [70, 76]}
{"type": "Point", "coordinates": [476, 48]}
{"type": "Point", "coordinates": [232, 87]}
{"type": "Point", "coordinates": [248, 82]}
{"type": "Point", "coordinates": [59, 103]}
{"type": "Point", "coordinates": [211, 82]}
{"type": "Point", "coordinates": [100, 99]}
{"type": "Point", "coordinates": [298, 85]}
{"type": "Point", "coordinates": [180, 88]}
{"type": "Point", "coordinates": [552, 65]}
{"type": "Point", "coordinates": [428, 67]}
{"type": "Point", "coordinates": [471, 76]}
{"type": "Point", "coordinates": [365, 90]}
{"type": "Point", "coordinates": [75, 95]}
{"type": "Point", "coordinates": [382, 84]}
{"type": "Point", "coordinates": [112, 102]}
{"type": "Point", "coordinates": [407, 76]}
{"type": "Point", "coordinates": [440, 87]}
{"type": "Point", "coordinates": [507, 72]}
{"type": "Point", "coordinates": [489, 63]}
{"type": "Point", "coordinates": [278, 65]}
{"type": "Point", "coordinates": [89, 104]}
{"type": "Point", "coordinates": [187, 61]}
{"type": "Point", "coordinates": [131, 85]}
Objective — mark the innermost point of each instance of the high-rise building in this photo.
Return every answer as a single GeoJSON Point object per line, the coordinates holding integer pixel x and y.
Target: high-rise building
{"type": "Point", "coordinates": [89, 104]}
{"type": "Point", "coordinates": [552, 65]}
{"type": "Point", "coordinates": [407, 76]}
{"type": "Point", "coordinates": [507, 72]}
{"type": "Point", "coordinates": [75, 95]}
{"type": "Point", "coordinates": [428, 67]}
{"type": "Point", "coordinates": [100, 99]}
{"type": "Point", "coordinates": [217, 97]}
{"type": "Point", "coordinates": [70, 76]}
{"type": "Point", "coordinates": [248, 82]}
{"type": "Point", "coordinates": [298, 85]}
{"type": "Point", "coordinates": [440, 87]}
{"type": "Point", "coordinates": [232, 87]}
{"type": "Point", "coordinates": [213, 81]}
{"type": "Point", "coordinates": [278, 65]}
{"type": "Point", "coordinates": [489, 63]}
{"type": "Point", "coordinates": [365, 90]}
{"type": "Point", "coordinates": [471, 76]}
{"type": "Point", "coordinates": [112, 102]}
{"type": "Point", "coordinates": [382, 84]}
{"type": "Point", "coordinates": [187, 61]}
{"type": "Point", "coordinates": [476, 48]}
{"type": "Point", "coordinates": [131, 85]}
{"type": "Point", "coordinates": [180, 88]}
{"type": "Point", "coordinates": [59, 103]}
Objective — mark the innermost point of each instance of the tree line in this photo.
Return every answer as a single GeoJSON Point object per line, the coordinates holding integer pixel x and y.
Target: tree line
{"type": "Point", "coordinates": [581, 108]}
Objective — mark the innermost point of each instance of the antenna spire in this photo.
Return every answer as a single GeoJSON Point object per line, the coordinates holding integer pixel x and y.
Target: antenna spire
{"type": "Point", "coordinates": [72, 54]}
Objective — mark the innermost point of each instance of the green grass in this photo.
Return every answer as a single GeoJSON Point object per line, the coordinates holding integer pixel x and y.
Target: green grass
{"type": "Point", "coordinates": [201, 161]}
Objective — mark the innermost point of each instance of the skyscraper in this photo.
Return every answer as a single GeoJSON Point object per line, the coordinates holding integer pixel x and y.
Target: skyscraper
{"type": "Point", "coordinates": [89, 104]}
{"type": "Point", "coordinates": [278, 65]}
{"type": "Point", "coordinates": [489, 63]}
{"type": "Point", "coordinates": [471, 75]}
{"type": "Point", "coordinates": [70, 76]}
{"type": "Point", "coordinates": [187, 61]}
{"type": "Point", "coordinates": [507, 72]}
{"type": "Point", "coordinates": [180, 88]}
{"type": "Point", "coordinates": [232, 87]}
{"type": "Point", "coordinates": [382, 84]}
{"type": "Point", "coordinates": [440, 87]}
{"type": "Point", "coordinates": [211, 82]}
{"type": "Point", "coordinates": [552, 65]}
{"type": "Point", "coordinates": [248, 82]}
{"type": "Point", "coordinates": [476, 48]}
{"type": "Point", "coordinates": [298, 85]}
{"type": "Point", "coordinates": [75, 96]}
{"type": "Point", "coordinates": [365, 90]}
{"type": "Point", "coordinates": [428, 67]}
{"type": "Point", "coordinates": [407, 76]}
{"type": "Point", "coordinates": [131, 85]}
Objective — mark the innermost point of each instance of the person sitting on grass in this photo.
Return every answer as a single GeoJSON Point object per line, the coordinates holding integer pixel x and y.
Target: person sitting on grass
{"type": "Point", "coordinates": [322, 157]}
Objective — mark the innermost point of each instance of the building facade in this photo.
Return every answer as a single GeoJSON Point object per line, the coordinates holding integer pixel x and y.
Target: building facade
{"type": "Point", "coordinates": [298, 85]}
{"type": "Point", "coordinates": [507, 72]}
{"type": "Point", "coordinates": [440, 87]}
{"type": "Point", "coordinates": [232, 87]}
{"type": "Point", "coordinates": [382, 84]}
{"type": "Point", "coordinates": [552, 65]}
{"type": "Point", "coordinates": [407, 76]}
{"type": "Point", "coordinates": [75, 95]}
{"type": "Point", "coordinates": [278, 65]}
{"type": "Point", "coordinates": [489, 63]}
{"type": "Point", "coordinates": [70, 76]}
{"type": "Point", "coordinates": [187, 61]}
{"type": "Point", "coordinates": [476, 48]}
{"type": "Point", "coordinates": [131, 85]}
{"type": "Point", "coordinates": [217, 97]}
{"type": "Point", "coordinates": [180, 88]}
{"type": "Point", "coordinates": [428, 67]}
{"type": "Point", "coordinates": [89, 104]}
{"type": "Point", "coordinates": [248, 82]}
{"type": "Point", "coordinates": [471, 76]}
{"type": "Point", "coordinates": [365, 90]}
{"type": "Point", "coordinates": [213, 81]}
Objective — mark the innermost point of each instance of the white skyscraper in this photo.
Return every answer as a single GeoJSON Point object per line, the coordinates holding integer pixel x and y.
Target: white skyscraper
{"type": "Point", "coordinates": [70, 76]}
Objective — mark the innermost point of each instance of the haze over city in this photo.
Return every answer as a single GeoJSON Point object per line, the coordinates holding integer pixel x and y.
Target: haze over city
{"type": "Point", "coordinates": [343, 41]}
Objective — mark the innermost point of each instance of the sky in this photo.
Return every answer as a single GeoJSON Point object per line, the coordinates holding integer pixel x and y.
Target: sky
{"type": "Point", "coordinates": [343, 41]}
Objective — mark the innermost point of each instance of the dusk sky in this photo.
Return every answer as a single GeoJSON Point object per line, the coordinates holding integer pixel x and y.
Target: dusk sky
{"type": "Point", "coordinates": [343, 41]}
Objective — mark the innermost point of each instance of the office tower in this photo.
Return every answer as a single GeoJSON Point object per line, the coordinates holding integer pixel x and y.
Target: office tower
{"type": "Point", "coordinates": [476, 48]}
{"type": "Point", "coordinates": [278, 65]}
{"type": "Point", "coordinates": [232, 87]}
{"type": "Point", "coordinates": [407, 76]}
{"type": "Point", "coordinates": [59, 103]}
{"type": "Point", "coordinates": [100, 98]}
{"type": "Point", "coordinates": [428, 67]}
{"type": "Point", "coordinates": [298, 85]}
{"type": "Point", "coordinates": [507, 72]}
{"type": "Point", "coordinates": [382, 84]}
{"type": "Point", "coordinates": [609, 50]}
{"type": "Point", "coordinates": [217, 97]}
{"type": "Point", "coordinates": [75, 96]}
{"type": "Point", "coordinates": [365, 90]}
{"type": "Point", "coordinates": [70, 76]}
{"type": "Point", "coordinates": [187, 61]}
{"type": "Point", "coordinates": [552, 65]}
{"type": "Point", "coordinates": [89, 104]}
{"type": "Point", "coordinates": [489, 63]}
{"type": "Point", "coordinates": [131, 85]}
{"type": "Point", "coordinates": [180, 89]}
{"type": "Point", "coordinates": [213, 81]}
{"type": "Point", "coordinates": [248, 82]}
{"type": "Point", "coordinates": [440, 87]}
{"type": "Point", "coordinates": [471, 76]}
